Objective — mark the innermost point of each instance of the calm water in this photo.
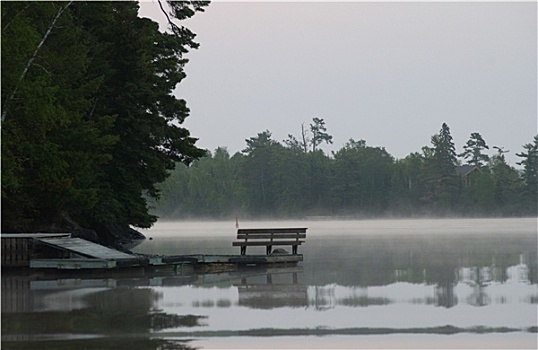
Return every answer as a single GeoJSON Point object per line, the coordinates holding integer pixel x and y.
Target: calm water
{"type": "Point", "coordinates": [362, 284]}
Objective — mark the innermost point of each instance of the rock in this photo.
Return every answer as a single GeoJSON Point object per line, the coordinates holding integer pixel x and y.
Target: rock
{"type": "Point", "coordinates": [279, 251]}
{"type": "Point", "coordinates": [85, 233]}
{"type": "Point", "coordinates": [121, 237]}
{"type": "Point", "coordinates": [76, 230]}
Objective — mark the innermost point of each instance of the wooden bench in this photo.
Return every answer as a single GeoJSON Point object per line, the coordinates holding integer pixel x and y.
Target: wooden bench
{"type": "Point", "coordinates": [270, 237]}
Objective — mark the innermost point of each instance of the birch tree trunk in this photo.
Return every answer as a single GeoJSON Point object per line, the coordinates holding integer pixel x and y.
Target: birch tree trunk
{"type": "Point", "coordinates": [31, 60]}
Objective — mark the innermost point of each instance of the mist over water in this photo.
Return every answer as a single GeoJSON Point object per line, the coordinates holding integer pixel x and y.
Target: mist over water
{"type": "Point", "coordinates": [446, 283]}
{"type": "Point", "coordinates": [346, 227]}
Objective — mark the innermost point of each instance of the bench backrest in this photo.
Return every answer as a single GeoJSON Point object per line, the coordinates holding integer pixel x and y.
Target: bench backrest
{"type": "Point", "coordinates": [272, 233]}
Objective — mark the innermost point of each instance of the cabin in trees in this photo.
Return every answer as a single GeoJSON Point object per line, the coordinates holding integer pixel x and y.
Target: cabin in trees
{"type": "Point", "coordinates": [466, 172]}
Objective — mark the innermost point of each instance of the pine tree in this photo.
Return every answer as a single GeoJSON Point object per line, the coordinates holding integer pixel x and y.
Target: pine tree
{"type": "Point", "coordinates": [444, 152]}
{"type": "Point", "coordinates": [529, 175]}
{"type": "Point", "coordinates": [441, 166]}
{"type": "Point", "coordinates": [258, 171]}
{"type": "Point", "coordinates": [319, 133]}
{"type": "Point", "coordinates": [473, 151]}
{"type": "Point", "coordinates": [505, 183]}
{"type": "Point", "coordinates": [52, 152]}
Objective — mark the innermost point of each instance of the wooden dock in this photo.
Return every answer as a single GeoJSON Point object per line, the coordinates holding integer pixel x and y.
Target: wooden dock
{"type": "Point", "coordinates": [63, 252]}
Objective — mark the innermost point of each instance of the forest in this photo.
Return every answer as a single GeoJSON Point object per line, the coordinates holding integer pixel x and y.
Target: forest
{"type": "Point", "coordinates": [295, 179]}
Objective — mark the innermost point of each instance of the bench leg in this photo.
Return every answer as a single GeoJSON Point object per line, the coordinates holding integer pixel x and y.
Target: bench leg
{"type": "Point", "coordinates": [269, 248]}
{"type": "Point", "coordinates": [294, 249]}
{"type": "Point", "coordinates": [243, 250]}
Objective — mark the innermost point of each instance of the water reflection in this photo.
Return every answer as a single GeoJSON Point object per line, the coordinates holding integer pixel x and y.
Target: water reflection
{"type": "Point", "coordinates": [271, 295]}
{"type": "Point", "coordinates": [386, 259]}
{"type": "Point", "coordinates": [90, 313]}
{"type": "Point", "coordinates": [67, 342]}
{"type": "Point", "coordinates": [346, 285]}
{"type": "Point", "coordinates": [258, 289]}
{"type": "Point", "coordinates": [471, 284]}
{"type": "Point", "coordinates": [94, 312]}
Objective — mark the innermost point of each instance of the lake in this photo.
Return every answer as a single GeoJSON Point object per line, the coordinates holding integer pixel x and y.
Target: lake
{"type": "Point", "coordinates": [444, 283]}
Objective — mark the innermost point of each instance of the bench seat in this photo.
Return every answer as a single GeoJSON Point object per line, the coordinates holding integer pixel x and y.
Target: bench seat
{"type": "Point", "coordinates": [270, 237]}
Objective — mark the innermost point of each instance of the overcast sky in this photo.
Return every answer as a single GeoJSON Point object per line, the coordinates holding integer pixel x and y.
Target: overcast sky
{"type": "Point", "coordinates": [388, 73]}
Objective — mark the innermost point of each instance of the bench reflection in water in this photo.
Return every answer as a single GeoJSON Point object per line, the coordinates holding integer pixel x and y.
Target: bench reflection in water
{"type": "Point", "coordinates": [271, 295]}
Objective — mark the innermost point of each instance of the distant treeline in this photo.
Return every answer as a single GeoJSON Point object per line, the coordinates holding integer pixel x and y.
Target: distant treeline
{"type": "Point", "coordinates": [295, 178]}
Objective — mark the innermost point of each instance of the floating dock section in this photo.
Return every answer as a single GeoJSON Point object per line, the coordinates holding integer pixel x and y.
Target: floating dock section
{"type": "Point", "coordinates": [85, 248]}
{"type": "Point", "coordinates": [85, 255]}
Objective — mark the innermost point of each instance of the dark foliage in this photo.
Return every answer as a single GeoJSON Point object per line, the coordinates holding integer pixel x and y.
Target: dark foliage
{"type": "Point", "coordinates": [89, 122]}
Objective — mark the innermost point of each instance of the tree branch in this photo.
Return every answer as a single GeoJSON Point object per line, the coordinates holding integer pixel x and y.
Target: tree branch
{"type": "Point", "coordinates": [173, 26]}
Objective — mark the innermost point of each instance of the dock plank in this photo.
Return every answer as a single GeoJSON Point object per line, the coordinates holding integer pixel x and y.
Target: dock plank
{"type": "Point", "coordinates": [34, 235]}
{"type": "Point", "coordinates": [72, 264]}
{"type": "Point", "coordinates": [248, 259]}
{"type": "Point", "coordinates": [86, 248]}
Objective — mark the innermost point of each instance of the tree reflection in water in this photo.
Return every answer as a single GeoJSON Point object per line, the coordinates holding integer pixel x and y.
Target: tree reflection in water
{"type": "Point", "coordinates": [117, 318]}
{"type": "Point", "coordinates": [105, 343]}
